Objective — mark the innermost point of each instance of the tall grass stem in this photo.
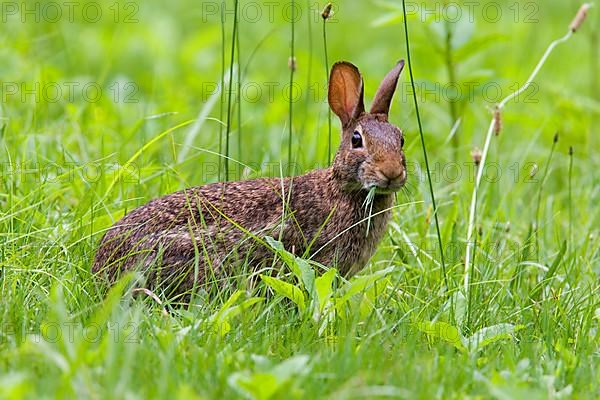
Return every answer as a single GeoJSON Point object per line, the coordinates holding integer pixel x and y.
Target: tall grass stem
{"type": "Point", "coordinates": [239, 94]}
{"type": "Point", "coordinates": [451, 70]}
{"type": "Point", "coordinates": [490, 132]}
{"type": "Point", "coordinates": [307, 99]}
{"type": "Point", "coordinates": [539, 197]}
{"type": "Point", "coordinates": [423, 145]}
{"type": "Point", "coordinates": [292, 66]}
{"type": "Point", "coordinates": [222, 95]}
{"type": "Point", "coordinates": [570, 197]}
{"type": "Point", "coordinates": [229, 88]}
{"type": "Point", "coordinates": [327, 80]}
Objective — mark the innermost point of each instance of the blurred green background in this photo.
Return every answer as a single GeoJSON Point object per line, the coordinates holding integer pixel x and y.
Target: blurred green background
{"type": "Point", "coordinates": [134, 70]}
{"type": "Point", "coordinates": [164, 59]}
{"type": "Point", "coordinates": [106, 105]}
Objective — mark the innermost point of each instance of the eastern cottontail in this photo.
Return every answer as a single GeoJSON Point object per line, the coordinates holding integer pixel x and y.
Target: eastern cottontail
{"type": "Point", "coordinates": [187, 238]}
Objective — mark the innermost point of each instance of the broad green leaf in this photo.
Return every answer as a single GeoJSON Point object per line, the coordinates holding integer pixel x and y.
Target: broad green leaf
{"type": "Point", "coordinates": [361, 283]}
{"type": "Point", "coordinates": [228, 304]}
{"type": "Point", "coordinates": [300, 267]}
{"type": "Point", "coordinates": [236, 310]}
{"type": "Point", "coordinates": [232, 299]}
{"type": "Point", "coordinates": [286, 256]}
{"type": "Point", "coordinates": [297, 365]}
{"type": "Point", "coordinates": [222, 323]}
{"type": "Point", "coordinates": [443, 331]}
{"type": "Point", "coordinates": [287, 290]}
{"type": "Point", "coordinates": [265, 385]}
{"type": "Point", "coordinates": [220, 320]}
{"type": "Point", "coordinates": [323, 287]}
{"type": "Point", "coordinates": [489, 335]}
{"type": "Point", "coordinates": [307, 274]}
{"type": "Point", "coordinates": [259, 386]}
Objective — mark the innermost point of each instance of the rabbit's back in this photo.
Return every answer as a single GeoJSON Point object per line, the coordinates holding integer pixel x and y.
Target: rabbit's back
{"type": "Point", "coordinates": [169, 232]}
{"type": "Point", "coordinates": [207, 231]}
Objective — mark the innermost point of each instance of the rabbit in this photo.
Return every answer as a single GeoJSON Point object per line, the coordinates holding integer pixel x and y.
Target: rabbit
{"type": "Point", "coordinates": [186, 239]}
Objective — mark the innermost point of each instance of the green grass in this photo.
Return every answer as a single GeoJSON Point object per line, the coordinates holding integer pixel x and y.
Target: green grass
{"type": "Point", "coordinates": [69, 169]}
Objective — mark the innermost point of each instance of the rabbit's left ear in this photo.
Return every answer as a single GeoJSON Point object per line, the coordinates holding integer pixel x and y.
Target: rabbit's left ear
{"type": "Point", "coordinates": [345, 93]}
{"type": "Point", "coordinates": [383, 97]}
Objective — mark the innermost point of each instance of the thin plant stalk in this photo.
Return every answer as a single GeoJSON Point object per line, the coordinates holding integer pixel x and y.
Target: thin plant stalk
{"type": "Point", "coordinates": [595, 81]}
{"type": "Point", "coordinates": [368, 205]}
{"type": "Point", "coordinates": [539, 197]}
{"type": "Point", "coordinates": [292, 65]}
{"type": "Point", "coordinates": [486, 148]}
{"type": "Point", "coordinates": [308, 69]}
{"type": "Point", "coordinates": [431, 192]}
{"type": "Point", "coordinates": [570, 197]}
{"type": "Point", "coordinates": [229, 89]}
{"type": "Point", "coordinates": [222, 95]}
{"type": "Point", "coordinates": [450, 68]}
{"type": "Point", "coordinates": [594, 64]}
{"type": "Point", "coordinates": [327, 80]}
{"type": "Point", "coordinates": [239, 95]}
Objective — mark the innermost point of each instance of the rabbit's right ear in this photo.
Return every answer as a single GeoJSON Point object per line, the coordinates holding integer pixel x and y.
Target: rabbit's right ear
{"type": "Point", "coordinates": [383, 97]}
{"type": "Point", "coordinates": [346, 91]}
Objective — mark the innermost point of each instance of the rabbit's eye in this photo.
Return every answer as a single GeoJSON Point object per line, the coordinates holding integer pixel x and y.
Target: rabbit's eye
{"type": "Point", "coordinates": [402, 141]}
{"type": "Point", "coordinates": [356, 140]}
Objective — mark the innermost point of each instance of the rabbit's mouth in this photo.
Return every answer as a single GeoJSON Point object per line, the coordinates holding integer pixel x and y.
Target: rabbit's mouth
{"type": "Point", "coordinates": [384, 181]}
{"type": "Point", "coordinates": [387, 190]}
{"type": "Point", "coordinates": [388, 185]}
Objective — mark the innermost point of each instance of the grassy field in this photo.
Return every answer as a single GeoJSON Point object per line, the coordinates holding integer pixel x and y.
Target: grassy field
{"type": "Point", "coordinates": [107, 105]}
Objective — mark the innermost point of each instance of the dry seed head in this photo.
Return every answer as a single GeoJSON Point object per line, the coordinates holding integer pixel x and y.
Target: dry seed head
{"type": "Point", "coordinates": [570, 150]}
{"type": "Point", "coordinates": [476, 155]}
{"type": "Point", "coordinates": [327, 11]}
{"type": "Point", "coordinates": [534, 171]}
{"type": "Point", "coordinates": [555, 137]}
{"type": "Point", "coordinates": [292, 63]}
{"type": "Point", "coordinates": [497, 121]}
{"type": "Point", "coordinates": [580, 17]}
{"type": "Point", "coordinates": [428, 215]}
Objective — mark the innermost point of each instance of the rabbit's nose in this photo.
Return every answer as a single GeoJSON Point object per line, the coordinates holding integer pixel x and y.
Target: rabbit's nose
{"type": "Point", "coordinates": [394, 176]}
{"type": "Point", "coordinates": [392, 172]}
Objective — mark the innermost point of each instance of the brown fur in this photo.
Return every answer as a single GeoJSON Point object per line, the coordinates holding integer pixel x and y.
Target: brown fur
{"type": "Point", "coordinates": [199, 234]}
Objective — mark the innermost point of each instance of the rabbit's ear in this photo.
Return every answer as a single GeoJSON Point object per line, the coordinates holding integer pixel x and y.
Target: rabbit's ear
{"type": "Point", "coordinates": [346, 91]}
{"type": "Point", "coordinates": [383, 97]}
